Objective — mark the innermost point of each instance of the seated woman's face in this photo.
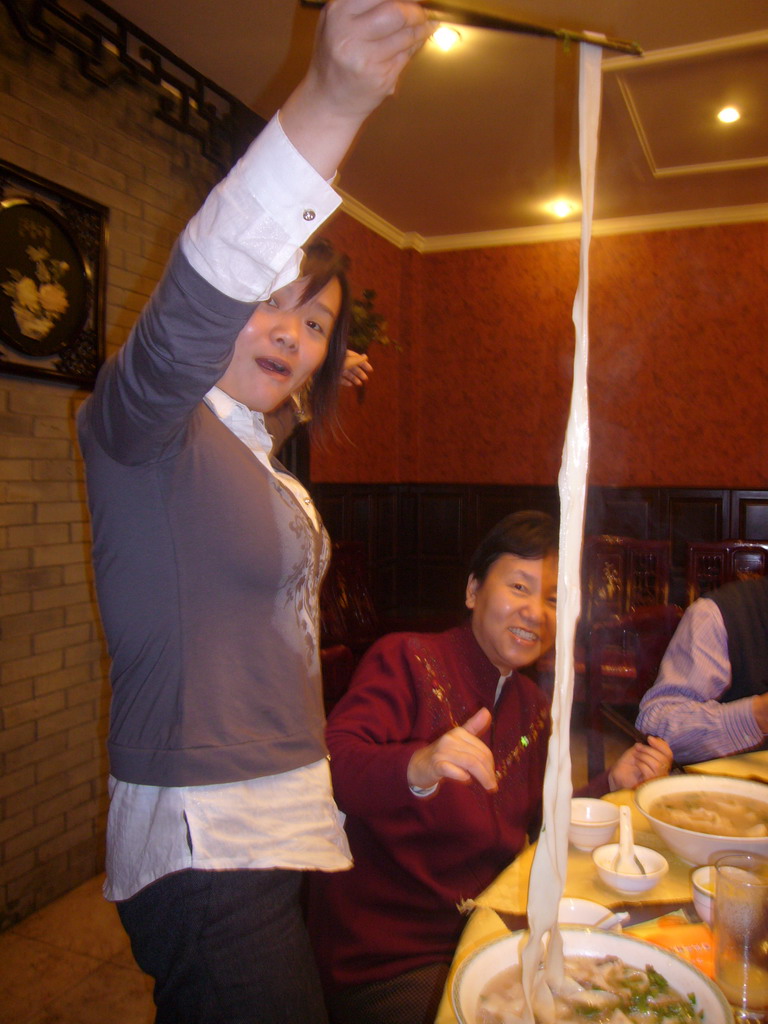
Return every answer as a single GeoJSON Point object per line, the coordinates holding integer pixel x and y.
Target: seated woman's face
{"type": "Point", "coordinates": [281, 346]}
{"type": "Point", "coordinates": [514, 610]}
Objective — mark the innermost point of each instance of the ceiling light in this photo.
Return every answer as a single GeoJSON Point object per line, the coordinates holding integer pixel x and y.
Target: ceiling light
{"type": "Point", "coordinates": [446, 38]}
{"type": "Point", "coordinates": [561, 207]}
{"type": "Point", "coordinates": [728, 115]}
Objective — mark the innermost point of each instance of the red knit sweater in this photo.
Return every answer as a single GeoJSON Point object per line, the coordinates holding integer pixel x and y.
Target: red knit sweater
{"type": "Point", "coordinates": [417, 857]}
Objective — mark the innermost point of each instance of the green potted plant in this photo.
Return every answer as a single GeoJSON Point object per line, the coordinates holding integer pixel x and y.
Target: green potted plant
{"type": "Point", "coordinates": [367, 326]}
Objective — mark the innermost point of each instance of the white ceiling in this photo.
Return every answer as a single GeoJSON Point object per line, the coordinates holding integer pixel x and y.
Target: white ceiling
{"type": "Point", "coordinates": [476, 141]}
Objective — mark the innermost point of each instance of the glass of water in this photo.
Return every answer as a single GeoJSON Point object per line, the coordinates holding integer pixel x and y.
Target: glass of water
{"type": "Point", "coordinates": [740, 929]}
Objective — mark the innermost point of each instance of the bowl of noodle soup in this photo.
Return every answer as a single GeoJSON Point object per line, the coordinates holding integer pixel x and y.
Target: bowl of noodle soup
{"type": "Point", "coordinates": [701, 816]}
{"type": "Point", "coordinates": [484, 965]}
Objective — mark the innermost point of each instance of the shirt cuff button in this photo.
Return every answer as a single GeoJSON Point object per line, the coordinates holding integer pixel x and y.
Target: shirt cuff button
{"type": "Point", "coordinates": [309, 215]}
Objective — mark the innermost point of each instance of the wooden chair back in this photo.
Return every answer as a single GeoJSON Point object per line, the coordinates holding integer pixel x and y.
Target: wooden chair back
{"type": "Point", "coordinates": [347, 612]}
{"type": "Point", "coordinates": [709, 566]}
{"type": "Point", "coordinates": [622, 574]}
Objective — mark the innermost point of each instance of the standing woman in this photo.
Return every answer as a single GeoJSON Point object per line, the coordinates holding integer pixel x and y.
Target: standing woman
{"type": "Point", "coordinates": [209, 556]}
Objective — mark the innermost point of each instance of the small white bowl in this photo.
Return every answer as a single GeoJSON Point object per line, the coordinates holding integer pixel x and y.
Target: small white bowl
{"type": "Point", "coordinates": [703, 891]}
{"type": "Point", "coordinates": [655, 868]}
{"type": "Point", "coordinates": [593, 822]}
{"type": "Point", "coordinates": [575, 911]}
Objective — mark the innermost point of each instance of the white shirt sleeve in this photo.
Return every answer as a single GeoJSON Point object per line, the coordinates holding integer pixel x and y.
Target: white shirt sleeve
{"type": "Point", "coordinates": [246, 238]}
{"type": "Point", "coordinates": [684, 706]}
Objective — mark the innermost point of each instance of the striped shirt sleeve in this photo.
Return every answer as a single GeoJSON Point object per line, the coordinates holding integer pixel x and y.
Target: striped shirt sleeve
{"type": "Point", "coordinates": [684, 705]}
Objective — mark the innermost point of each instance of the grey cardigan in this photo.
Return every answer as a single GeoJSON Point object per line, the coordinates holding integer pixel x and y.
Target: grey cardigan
{"type": "Point", "coordinates": [203, 560]}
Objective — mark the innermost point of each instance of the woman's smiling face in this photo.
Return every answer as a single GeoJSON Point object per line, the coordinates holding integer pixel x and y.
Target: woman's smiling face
{"type": "Point", "coordinates": [284, 342]}
{"type": "Point", "coordinates": [514, 610]}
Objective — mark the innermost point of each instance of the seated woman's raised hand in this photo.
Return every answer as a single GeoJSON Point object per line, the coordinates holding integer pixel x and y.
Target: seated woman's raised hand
{"type": "Point", "coordinates": [357, 368]}
{"type": "Point", "coordinates": [458, 754]}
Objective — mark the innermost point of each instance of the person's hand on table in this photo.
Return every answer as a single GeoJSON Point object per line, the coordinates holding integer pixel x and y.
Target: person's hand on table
{"type": "Point", "coordinates": [458, 754]}
{"type": "Point", "coordinates": [760, 711]}
{"type": "Point", "coordinates": [357, 367]}
{"type": "Point", "coordinates": [641, 762]}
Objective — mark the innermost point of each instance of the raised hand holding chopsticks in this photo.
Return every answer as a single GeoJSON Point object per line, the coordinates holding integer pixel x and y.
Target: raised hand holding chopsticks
{"type": "Point", "coordinates": [457, 15]}
{"type": "Point", "coordinates": [361, 49]}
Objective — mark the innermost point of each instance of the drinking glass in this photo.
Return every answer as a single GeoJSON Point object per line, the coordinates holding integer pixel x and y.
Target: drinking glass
{"type": "Point", "coordinates": [740, 931]}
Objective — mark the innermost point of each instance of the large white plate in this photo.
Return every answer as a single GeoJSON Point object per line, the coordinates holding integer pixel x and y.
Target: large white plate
{"type": "Point", "coordinates": [484, 963]}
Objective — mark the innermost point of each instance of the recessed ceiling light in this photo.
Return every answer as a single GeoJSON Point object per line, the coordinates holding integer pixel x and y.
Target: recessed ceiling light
{"type": "Point", "coordinates": [728, 115]}
{"type": "Point", "coordinates": [446, 38]}
{"type": "Point", "coordinates": [561, 207]}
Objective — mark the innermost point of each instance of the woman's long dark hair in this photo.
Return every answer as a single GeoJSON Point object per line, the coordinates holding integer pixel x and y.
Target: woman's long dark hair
{"type": "Point", "coordinates": [528, 534]}
{"type": "Point", "coordinates": [321, 264]}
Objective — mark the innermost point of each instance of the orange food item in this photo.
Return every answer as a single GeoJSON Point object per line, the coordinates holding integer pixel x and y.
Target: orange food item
{"type": "Point", "coordinates": [692, 942]}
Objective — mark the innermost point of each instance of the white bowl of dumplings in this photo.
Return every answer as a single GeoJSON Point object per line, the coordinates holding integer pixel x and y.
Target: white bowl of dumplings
{"type": "Point", "coordinates": [482, 965]}
{"type": "Point", "coordinates": [696, 837]}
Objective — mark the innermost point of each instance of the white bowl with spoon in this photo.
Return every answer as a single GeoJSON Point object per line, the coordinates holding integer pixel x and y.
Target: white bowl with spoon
{"type": "Point", "coordinates": [626, 868]}
{"type": "Point", "coordinates": [629, 884]}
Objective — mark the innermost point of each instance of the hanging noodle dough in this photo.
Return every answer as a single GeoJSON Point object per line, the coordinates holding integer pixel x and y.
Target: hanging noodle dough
{"type": "Point", "coordinates": [549, 863]}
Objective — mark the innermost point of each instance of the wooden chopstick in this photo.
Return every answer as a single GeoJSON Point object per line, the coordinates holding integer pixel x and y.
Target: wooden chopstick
{"type": "Point", "coordinates": [456, 15]}
{"type": "Point", "coordinates": [627, 727]}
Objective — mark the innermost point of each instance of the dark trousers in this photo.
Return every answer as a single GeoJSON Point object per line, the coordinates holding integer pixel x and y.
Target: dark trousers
{"type": "Point", "coordinates": [225, 947]}
{"type": "Point", "coordinates": [410, 998]}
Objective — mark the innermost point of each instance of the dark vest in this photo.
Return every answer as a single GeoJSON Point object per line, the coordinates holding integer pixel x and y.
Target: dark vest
{"type": "Point", "coordinates": [744, 607]}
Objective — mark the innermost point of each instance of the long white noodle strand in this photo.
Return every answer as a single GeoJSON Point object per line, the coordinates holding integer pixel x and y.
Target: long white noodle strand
{"type": "Point", "coordinates": [548, 870]}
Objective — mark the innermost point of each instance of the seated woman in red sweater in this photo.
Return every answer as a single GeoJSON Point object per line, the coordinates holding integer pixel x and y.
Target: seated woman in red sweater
{"type": "Point", "coordinates": [437, 757]}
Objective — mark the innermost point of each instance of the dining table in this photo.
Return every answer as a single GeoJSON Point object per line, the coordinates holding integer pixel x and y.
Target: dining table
{"type": "Point", "coordinates": [501, 907]}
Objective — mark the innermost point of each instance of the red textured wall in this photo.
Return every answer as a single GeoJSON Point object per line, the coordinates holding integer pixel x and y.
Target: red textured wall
{"type": "Point", "coordinates": [678, 366]}
{"type": "Point", "coordinates": [368, 446]}
{"type": "Point", "coordinates": [500, 341]}
{"type": "Point", "coordinates": [679, 380]}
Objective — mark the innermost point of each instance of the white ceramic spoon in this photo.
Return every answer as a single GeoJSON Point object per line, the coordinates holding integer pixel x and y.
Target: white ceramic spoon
{"type": "Point", "coordinates": [611, 919]}
{"type": "Point", "coordinates": [627, 862]}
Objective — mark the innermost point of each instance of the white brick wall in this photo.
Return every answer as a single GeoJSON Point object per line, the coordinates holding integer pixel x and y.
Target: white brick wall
{"type": "Point", "coordinates": [107, 145]}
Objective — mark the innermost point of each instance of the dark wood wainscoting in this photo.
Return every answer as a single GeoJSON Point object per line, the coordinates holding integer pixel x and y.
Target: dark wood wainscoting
{"type": "Point", "coordinates": [419, 537]}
